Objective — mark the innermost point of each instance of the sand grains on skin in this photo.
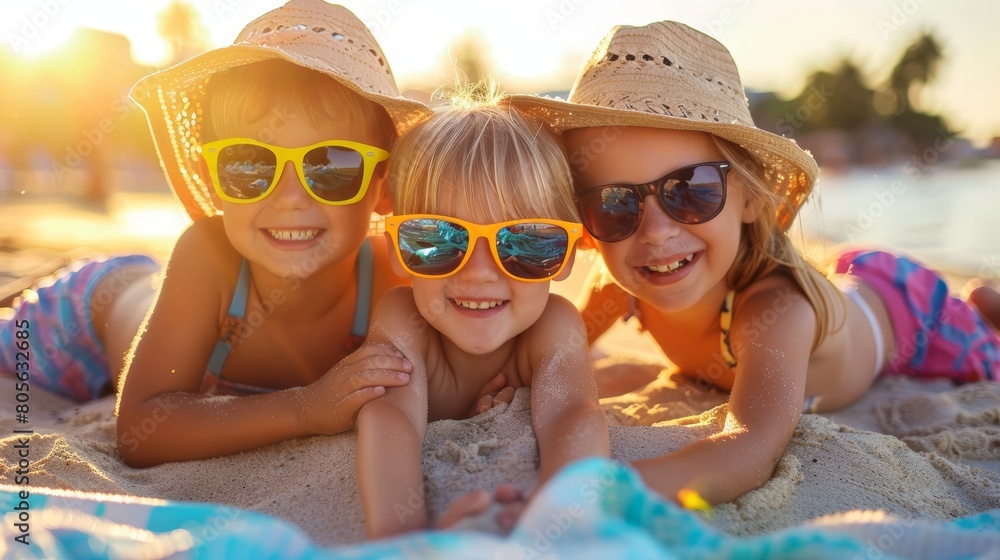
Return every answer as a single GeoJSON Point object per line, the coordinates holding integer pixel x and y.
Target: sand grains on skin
{"type": "Point", "coordinates": [829, 467]}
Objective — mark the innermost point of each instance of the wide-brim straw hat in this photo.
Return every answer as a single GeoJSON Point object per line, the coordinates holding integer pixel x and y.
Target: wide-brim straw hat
{"type": "Point", "coordinates": [667, 75]}
{"type": "Point", "coordinates": [313, 34]}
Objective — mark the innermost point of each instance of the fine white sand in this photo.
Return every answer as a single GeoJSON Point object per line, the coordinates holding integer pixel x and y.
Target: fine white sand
{"type": "Point", "coordinates": [918, 450]}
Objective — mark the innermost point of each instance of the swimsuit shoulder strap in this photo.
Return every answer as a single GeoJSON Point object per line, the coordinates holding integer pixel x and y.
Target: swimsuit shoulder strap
{"type": "Point", "coordinates": [237, 309]}
{"type": "Point", "coordinates": [362, 307]}
{"type": "Point", "coordinates": [233, 324]}
{"type": "Point", "coordinates": [726, 320]}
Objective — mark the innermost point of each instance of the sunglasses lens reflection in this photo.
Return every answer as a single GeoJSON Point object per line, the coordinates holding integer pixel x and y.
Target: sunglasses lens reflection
{"type": "Point", "coordinates": [334, 173]}
{"type": "Point", "coordinates": [610, 213]}
{"type": "Point", "coordinates": [432, 247]}
{"type": "Point", "coordinates": [245, 171]}
{"type": "Point", "coordinates": [695, 195]}
{"type": "Point", "coordinates": [437, 247]}
{"type": "Point", "coordinates": [692, 195]}
{"type": "Point", "coordinates": [532, 251]}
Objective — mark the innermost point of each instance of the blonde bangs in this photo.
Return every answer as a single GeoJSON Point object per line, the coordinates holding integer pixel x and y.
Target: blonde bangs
{"type": "Point", "coordinates": [286, 92]}
{"type": "Point", "coordinates": [481, 156]}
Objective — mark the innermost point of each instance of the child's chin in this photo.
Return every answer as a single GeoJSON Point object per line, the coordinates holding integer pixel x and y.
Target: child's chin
{"type": "Point", "coordinates": [292, 271]}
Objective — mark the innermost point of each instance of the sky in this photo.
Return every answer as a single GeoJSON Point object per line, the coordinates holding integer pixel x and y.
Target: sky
{"type": "Point", "coordinates": [539, 45]}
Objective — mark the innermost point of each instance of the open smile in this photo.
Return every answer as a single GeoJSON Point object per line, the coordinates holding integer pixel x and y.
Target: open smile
{"type": "Point", "coordinates": [293, 234]}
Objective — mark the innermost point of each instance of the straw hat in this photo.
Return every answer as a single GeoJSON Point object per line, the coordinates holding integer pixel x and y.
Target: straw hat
{"type": "Point", "coordinates": [667, 75]}
{"type": "Point", "coordinates": [310, 33]}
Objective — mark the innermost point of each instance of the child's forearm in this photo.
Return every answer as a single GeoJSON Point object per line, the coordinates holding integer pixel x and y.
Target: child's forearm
{"type": "Point", "coordinates": [577, 433]}
{"type": "Point", "coordinates": [186, 426]}
{"type": "Point", "coordinates": [720, 468]}
{"type": "Point", "coordinates": [390, 472]}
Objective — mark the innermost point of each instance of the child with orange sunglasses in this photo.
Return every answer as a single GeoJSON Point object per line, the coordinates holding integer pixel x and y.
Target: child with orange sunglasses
{"type": "Point", "coordinates": [484, 221]}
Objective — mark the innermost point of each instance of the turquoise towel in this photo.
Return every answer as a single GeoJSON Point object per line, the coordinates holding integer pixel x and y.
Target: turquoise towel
{"type": "Point", "coordinates": [593, 509]}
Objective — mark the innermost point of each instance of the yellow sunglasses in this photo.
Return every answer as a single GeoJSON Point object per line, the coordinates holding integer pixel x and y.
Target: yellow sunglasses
{"type": "Point", "coordinates": [334, 172]}
{"type": "Point", "coordinates": [530, 250]}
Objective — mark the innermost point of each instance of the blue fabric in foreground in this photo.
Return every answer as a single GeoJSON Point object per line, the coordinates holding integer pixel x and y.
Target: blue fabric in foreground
{"type": "Point", "coordinates": [593, 509]}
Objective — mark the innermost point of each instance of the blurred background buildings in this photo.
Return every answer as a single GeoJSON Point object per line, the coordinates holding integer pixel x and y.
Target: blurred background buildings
{"type": "Point", "coordinates": [891, 90]}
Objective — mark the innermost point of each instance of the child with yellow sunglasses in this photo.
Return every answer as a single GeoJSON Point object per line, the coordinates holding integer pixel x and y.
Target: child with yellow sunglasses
{"type": "Point", "coordinates": [484, 221]}
{"type": "Point", "coordinates": [286, 135]}
{"type": "Point", "coordinates": [277, 147]}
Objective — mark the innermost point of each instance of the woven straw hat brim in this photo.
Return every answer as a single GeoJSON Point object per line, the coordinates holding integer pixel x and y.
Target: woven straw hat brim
{"type": "Point", "coordinates": [172, 98]}
{"type": "Point", "coordinates": [195, 71]}
{"type": "Point", "coordinates": [669, 75]}
{"type": "Point", "coordinates": [792, 170]}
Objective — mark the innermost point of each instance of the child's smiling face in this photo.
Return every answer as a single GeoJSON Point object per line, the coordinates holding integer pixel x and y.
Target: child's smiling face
{"type": "Point", "coordinates": [479, 308]}
{"type": "Point", "coordinates": [288, 232]}
{"type": "Point", "coordinates": [646, 263]}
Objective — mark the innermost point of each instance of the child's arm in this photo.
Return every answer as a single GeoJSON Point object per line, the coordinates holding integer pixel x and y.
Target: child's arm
{"type": "Point", "coordinates": [161, 415]}
{"type": "Point", "coordinates": [601, 302]}
{"type": "Point", "coordinates": [391, 428]}
{"type": "Point", "coordinates": [566, 415]}
{"type": "Point", "coordinates": [764, 406]}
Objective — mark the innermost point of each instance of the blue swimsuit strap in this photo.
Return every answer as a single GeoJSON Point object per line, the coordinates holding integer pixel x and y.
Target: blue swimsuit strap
{"type": "Point", "coordinates": [237, 309]}
{"type": "Point", "coordinates": [362, 307]}
{"type": "Point", "coordinates": [233, 323]}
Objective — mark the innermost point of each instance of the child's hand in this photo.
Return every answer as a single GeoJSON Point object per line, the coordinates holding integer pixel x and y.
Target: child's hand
{"type": "Point", "coordinates": [492, 394]}
{"type": "Point", "coordinates": [477, 511]}
{"type": "Point", "coordinates": [330, 404]}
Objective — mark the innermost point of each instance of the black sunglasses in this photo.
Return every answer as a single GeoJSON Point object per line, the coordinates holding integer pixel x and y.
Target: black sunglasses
{"type": "Point", "coordinates": [691, 195]}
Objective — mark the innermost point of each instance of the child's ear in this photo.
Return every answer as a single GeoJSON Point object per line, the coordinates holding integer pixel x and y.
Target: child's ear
{"type": "Point", "coordinates": [397, 267]}
{"type": "Point", "coordinates": [751, 208]}
{"type": "Point", "coordinates": [380, 181]}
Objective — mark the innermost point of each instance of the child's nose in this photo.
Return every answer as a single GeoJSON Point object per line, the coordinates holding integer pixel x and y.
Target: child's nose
{"type": "Point", "coordinates": [481, 267]}
{"type": "Point", "coordinates": [290, 193]}
{"type": "Point", "coordinates": [655, 226]}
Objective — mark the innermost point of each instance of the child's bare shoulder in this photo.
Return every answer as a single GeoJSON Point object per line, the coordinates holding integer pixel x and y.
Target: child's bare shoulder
{"type": "Point", "coordinates": [204, 238]}
{"type": "Point", "coordinates": [774, 300]}
{"type": "Point", "coordinates": [771, 289]}
{"type": "Point", "coordinates": [558, 312]}
{"type": "Point", "coordinates": [204, 254]}
{"type": "Point", "coordinates": [396, 314]}
{"type": "Point", "coordinates": [560, 308]}
{"type": "Point", "coordinates": [398, 300]}
{"type": "Point", "coordinates": [559, 322]}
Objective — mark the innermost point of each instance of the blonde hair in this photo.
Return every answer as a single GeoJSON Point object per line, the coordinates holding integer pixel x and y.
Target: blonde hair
{"type": "Point", "coordinates": [499, 161]}
{"type": "Point", "coordinates": [249, 93]}
{"type": "Point", "coordinates": [765, 249]}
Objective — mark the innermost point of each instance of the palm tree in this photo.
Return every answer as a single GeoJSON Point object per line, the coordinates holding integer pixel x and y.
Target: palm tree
{"type": "Point", "coordinates": [917, 67]}
{"type": "Point", "coordinates": [180, 25]}
{"type": "Point", "coordinates": [838, 99]}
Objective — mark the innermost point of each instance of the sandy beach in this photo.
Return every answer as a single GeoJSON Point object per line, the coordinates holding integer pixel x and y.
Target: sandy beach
{"type": "Point", "coordinates": [922, 450]}
{"type": "Point", "coordinates": [916, 450]}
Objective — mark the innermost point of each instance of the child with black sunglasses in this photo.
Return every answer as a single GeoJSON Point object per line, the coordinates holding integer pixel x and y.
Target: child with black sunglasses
{"type": "Point", "coordinates": [484, 221]}
{"type": "Point", "coordinates": [689, 204]}
{"type": "Point", "coordinates": [277, 147]}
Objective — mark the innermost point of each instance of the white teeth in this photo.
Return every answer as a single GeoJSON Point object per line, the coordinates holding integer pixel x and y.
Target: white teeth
{"type": "Point", "coordinates": [293, 235]}
{"type": "Point", "coordinates": [477, 304]}
{"type": "Point", "coordinates": [670, 267]}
